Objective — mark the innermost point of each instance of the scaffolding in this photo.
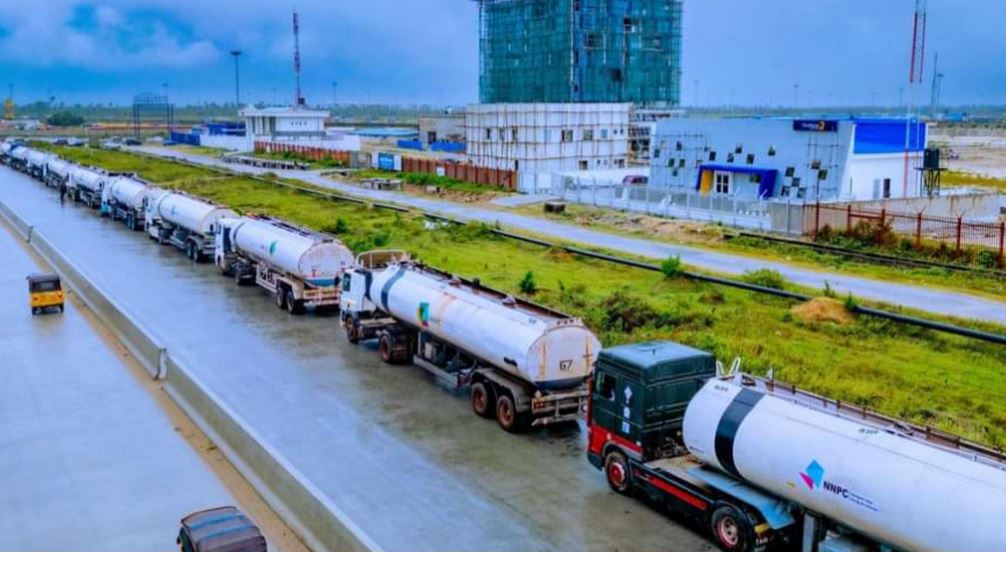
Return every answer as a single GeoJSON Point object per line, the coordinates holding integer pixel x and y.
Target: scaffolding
{"type": "Point", "coordinates": [580, 51]}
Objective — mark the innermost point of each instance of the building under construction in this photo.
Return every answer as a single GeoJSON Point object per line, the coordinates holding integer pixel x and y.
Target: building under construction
{"type": "Point", "coordinates": [580, 51]}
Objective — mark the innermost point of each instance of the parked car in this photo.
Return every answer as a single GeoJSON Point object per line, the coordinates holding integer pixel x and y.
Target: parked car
{"type": "Point", "coordinates": [636, 180]}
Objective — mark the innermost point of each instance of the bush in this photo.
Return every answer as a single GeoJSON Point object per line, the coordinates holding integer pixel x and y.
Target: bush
{"type": "Point", "coordinates": [851, 303]}
{"type": "Point", "coordinates": [527, 285]}
{"type": "Point", "coordinates": [829, 291]}
{"type": "Point", "coordinates": [672, 267]}
{"type": "Point", "coordinates": [766, 278]}
{"type": "Point", "coordinates": [65, 119]}
{"type": "Point", "coordinates": [339, 227]}
{"type": "Point", "coordinates": [625, 312]}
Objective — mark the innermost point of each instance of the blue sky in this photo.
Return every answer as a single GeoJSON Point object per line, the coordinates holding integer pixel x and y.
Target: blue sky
{"type": "Point", "coordinates": [404, 51]}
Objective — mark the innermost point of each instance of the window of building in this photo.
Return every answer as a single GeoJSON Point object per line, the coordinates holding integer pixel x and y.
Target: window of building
{"type": "Point", "coordinates": [548, 135]}
{"type": "Point", "coordinates": [795, 182]}
{"type": "Point", "coordinates": [513, 133]}
{"type": "Point", "coordinates": [674, 172]}
{"type": "Point", "coordinates": [750, 158]}
{"type": "Point", "coordinates": [681, 163]}
{"type": "Point", "coordinates": [771, 150]}
{"type": "Point", "coordinates": [567, 135]}
{"type": "Point", "coordinates": [755, 178]}
{"type": "Point", "coordinates": [584, 164]}
{"type": "Point", "coordinates": [712, 156]}
{"type": "Point", "coordinates": [739, 149]}
{"type": "Point", "coordinates": [588, 134]}
{"type": "Point", "coordinates": [730, 157]}
{"type": "Point", "coordinates": [620, 163]}
{"type": "Point", "coordinates": [678, 146]}
{"type": "Point", "coordinates": [822, 174]}
{"type": "Point", "coordinates": [489, 134]}
{"type": "Point", "coordinates": [604, 134]}
{"type": "Point", "coordinates": [502, 134]}
{"type": "Point", "coordinates": [887, 188]}
{"type": "Point", "coordinates": [815, 165]}
{"type": "Point", "coordinates": [801, 193]}
{"type": "Point", "coordinates": [721, 183]}
{"type": "Point", "coordinates": [790, 171]}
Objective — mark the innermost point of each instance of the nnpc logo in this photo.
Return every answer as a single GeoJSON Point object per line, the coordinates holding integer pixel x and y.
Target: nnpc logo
{"type": "Point", "coordinates": [814, 475]}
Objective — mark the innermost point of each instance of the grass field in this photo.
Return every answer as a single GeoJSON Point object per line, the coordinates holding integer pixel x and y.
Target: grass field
{"type": "Point", "coordinates": [714, 237]}
{"type": "Point", "coordinates": [953, 178]}
{"type": "Point", "coordinates": [949, 382]}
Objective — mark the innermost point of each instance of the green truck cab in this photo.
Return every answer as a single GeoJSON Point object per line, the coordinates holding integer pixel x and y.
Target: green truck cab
{"type": "Point", "coordinates": [639, 393]}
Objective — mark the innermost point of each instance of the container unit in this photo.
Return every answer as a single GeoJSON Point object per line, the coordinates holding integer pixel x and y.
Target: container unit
{"type": "Point", "coordinates": [125, 198]}
{"type": "Point", "coordinates": [525, 364]}
{"type": "Point", "coordinates": [85, 185]}
{"type": "Point", "coordinates": [185, 222]}
{"type": "Point", "coordinates": [301, 268]}
{"type": "Point", "coordinates": [762, 464]}
{"type": "Point", "coordinates": [57, 172]}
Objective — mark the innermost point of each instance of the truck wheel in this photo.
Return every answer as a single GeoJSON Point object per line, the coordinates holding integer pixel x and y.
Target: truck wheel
{"type": "Point", "coordinates": [281, 297]}
{"type": "Point", "coordinates": [293, 306]}
{"type": "Point", "coordinates": [618, 472]}
{"type": "Point", "coordinates": [34, 310]}
{"type": "Point", "coordinates": [483, 399]}
{"type": "Point", "coordinates": [352, 335]}
{"type": "Point", "coordinates": [385, 347]}
{"type": "Point", "coordinates": [732, 529]}
{"type": "Point", "coordinates": [507, 416]}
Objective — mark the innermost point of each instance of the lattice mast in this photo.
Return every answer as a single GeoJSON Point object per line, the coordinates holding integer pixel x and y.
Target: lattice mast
{"type": "Point", "coordinates": [299, 99]}
{"type": "Point", "coordinates": [916, 73]}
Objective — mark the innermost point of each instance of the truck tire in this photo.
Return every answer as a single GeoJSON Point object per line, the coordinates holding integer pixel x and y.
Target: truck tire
{"type": "Point", "coordinates": [618, 472]}
{"type": "Point", "coordinates": [483, 399]}
{"type": "Point", "coordinates": [732, 529]}
{"type": "Point", "coordinates": [507, 416]}
{"type": "Point", "coordinates": [385, 347]}
{"type": "Point", "coordinates": [281, 296]}
{"type": "Point", "coordinates": [351, 334]}
{"type": "Point", "coordinates": [293, 306]}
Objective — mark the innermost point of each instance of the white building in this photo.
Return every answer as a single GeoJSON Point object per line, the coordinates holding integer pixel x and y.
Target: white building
{"type": "Point", "coordinates": [789, 159]}
{"type": "Point", "coordinates": [296, 126]}
{"type": "Point", "coordinates": [539, 140]}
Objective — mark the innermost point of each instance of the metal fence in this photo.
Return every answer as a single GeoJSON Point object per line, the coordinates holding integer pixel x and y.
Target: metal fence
{"type": "Point", "coordinates": [664, 202]}
{"type": "Point", "coordinates": [954, 236]}
{"type": "Point", "coordinates": [465, 172]}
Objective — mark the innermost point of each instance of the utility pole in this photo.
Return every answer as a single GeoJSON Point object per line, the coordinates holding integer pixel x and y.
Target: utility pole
{"type": "Point", "coordinates": [237, 77]}
{"type": "Point", "coordinates": [915, 77]}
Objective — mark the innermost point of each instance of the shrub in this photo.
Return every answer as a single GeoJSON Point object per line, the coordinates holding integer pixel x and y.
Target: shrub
{"type": "Point", "coordinates": [671, 267]}
{"type": "Point", "coordinates": [339, 227]}
{"type": "Point", "coordinates": [625, 312]}
{"type": "Point", "coordinates": [527, 285]}
{"type": "Point", "coordinates": [829, 292]}
{"type": "Point", "coordinates": [766, 278]}
{"type": "Point", "coordinates": [851, 303]}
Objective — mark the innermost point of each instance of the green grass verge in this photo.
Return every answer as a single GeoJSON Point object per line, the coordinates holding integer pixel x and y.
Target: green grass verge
{"type": "Point", "coordinates": [422, 179]}
{"type": "Point", "coordinates": [953, 178]}
{"type": "Point", "coordinates": [949, 382]}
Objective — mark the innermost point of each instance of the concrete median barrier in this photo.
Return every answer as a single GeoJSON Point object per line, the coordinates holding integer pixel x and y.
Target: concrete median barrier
{"type": "Point", "coordinates": [308, 511]}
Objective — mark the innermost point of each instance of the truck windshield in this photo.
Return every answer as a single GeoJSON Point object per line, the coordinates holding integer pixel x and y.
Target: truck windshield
{"type": "Point", "coordinates": [45, 286]}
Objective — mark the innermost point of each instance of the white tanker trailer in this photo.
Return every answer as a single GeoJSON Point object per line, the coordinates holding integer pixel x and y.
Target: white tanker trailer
{"type": "Point", "coordinates": [5, 148]}
{"type": "Point", "coordinates": [58, 172]}
{"type": "Point", "coordinates": [36, 161]}
{"type": "Point", "coordinates": [762, 464]}
{"type": "Point", "coordinates": [19, 158]}
{"type": "Point", "coordinates": [300, 267]}
{"type": "Point", "coordinates": [85, 185]}
{"type": "Point", "coordinates": [125, 199]}
{"type": "Point", "coordinates": [184, 221]}
{"type": "Point", "coordinates": [526, 364]}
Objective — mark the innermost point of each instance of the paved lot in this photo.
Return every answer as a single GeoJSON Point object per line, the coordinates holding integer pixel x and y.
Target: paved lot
{"type": "Point", "coordinates": [408, 461]}
{"type": "Point", "coordinates": [87, 459]}
{"type": "Point", "coordinates": [943, 302]}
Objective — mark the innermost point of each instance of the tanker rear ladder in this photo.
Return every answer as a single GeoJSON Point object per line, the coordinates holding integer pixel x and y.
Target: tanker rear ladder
{"type": "Point", "coordinates": [924, 434]}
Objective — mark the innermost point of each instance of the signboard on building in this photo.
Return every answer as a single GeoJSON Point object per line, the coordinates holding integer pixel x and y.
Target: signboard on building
{"type": "Point", "coordinates": [815, 125]}
{"type": "Point", "coordinates": [385, 161]}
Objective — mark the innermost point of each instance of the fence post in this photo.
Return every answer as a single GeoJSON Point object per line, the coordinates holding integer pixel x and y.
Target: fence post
{"type": "Point", "coordinates": [817, 218]}
{"type": "Point", "coordinates": [960, 228]}
{"type": "Point", "coordinates": [918, 232]}
{"type": "Point", "coordinates": [1002, 240]}
{"type": "Point", "coordinates": [848, 219]}
{"type": "Point", "coordinates": [883, 217]}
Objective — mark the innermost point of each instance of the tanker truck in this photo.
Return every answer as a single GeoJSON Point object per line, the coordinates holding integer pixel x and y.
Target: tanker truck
{"type": "Point", "coordinates": [125, 199]}
{"type": "Point", "coordinates": [57, 172]}
{"type": "Point", "coordinates": [185, 222]}
{"type": "Point", "coordinates": [19, 158]}
{"type": "Point", "coordinates": [5, 148]}
{"type": "Point", "coordinates": [35, 161]}
{"type": "Point", "coordinates": [525, 365]}
{"type": "Point", "coordinates": [761, 464]}
{"type": "Point", "coordinates": [85, 185]}
{"type": "Point", "coordinates": [301, 268]}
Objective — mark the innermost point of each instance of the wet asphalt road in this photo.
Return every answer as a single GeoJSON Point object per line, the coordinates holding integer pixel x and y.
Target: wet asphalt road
{"type": "Point", "coordinates": [407, 460]}
{"type": "Point", "coordinates": [88, 461]}
{"type": "Point", "coordinates": [942, 302]}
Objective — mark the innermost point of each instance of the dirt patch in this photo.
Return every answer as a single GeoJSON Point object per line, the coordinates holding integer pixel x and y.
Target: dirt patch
{"type": "Point", "coordinates": [455, 196]}
{"type": "Point", "coordinates": [823, 310]}
{"type": "Point", "coordinates": [651, 227]}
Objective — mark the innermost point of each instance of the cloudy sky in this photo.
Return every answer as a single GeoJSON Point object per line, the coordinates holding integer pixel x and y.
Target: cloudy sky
{"type": "Point", "coordinates": [405, 51]}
